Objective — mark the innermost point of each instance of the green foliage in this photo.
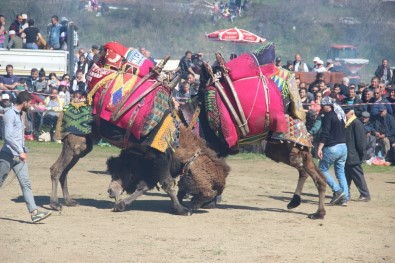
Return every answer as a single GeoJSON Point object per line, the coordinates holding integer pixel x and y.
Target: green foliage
{"type": "Point", "coordinates": [167, 28]}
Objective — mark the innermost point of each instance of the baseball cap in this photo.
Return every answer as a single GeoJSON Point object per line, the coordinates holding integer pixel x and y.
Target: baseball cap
{"type": "Point", "coordinates": [326, 101]}
{"type": "Point", "coordinates": [366, 114]}
{"type": "Point", "coordinates": [382, 107]}
{"type": "Point", "coordinates": [5, 97]}
{"type": "Point", "coordinates": [11, 32]}
{"type": "Point", "coordinates": [24, 16]}
{"type": "Point", "coordinates": [320, 62]}
{"type": "Point", "coordinates": [95, 47]}
{"type": "Point", "coordinates": [316, 59]}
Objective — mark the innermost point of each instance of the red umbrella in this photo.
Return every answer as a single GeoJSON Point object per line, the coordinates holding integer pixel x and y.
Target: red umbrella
{"type": "Point", "coordinates": [235, 35]}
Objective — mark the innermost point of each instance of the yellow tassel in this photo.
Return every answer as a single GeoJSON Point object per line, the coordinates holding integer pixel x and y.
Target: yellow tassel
{"type": "Point", "coordinates": [103, 81]}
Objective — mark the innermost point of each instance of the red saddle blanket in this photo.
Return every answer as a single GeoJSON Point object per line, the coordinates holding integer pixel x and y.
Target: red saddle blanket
{"type": "Point", "coordinates": [252, 96]}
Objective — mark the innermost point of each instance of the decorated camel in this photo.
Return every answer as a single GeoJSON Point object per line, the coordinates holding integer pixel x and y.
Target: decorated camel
{"type": "Point", "coordinates": [129, 104]}
{"type": "Point", "coordinates": [247, 100]}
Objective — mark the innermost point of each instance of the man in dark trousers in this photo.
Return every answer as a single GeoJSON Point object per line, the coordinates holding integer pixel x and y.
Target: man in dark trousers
{"type": "Point", "coordinates": [332, 149]}
{"type": "Point", "coordinates": [356, 147]}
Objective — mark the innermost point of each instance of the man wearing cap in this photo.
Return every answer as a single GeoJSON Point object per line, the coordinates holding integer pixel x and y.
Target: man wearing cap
{"type": "Point", "coordinates": [289, 66]}
{"type": "Point", "coordinates": [384, 126]}
{"type": "Point", "coordinates": [319, 66]}
{"type": "Point", "coordinates": [278, 62]}
{"type": "Point", "coordinates": [15, 41]}
{"type": "Point", "coordinates": [25, 23]}
{"type": "Point", "coordinates": [53, 34]}
{"type": "Point", "coordinates": [315, 59]}
{"type": "Point", "coordinates": [332, 149]}
{"type": "Point", "coordinates": [329, 66]}
{"type": "Point", "coordinates": [356, 150]}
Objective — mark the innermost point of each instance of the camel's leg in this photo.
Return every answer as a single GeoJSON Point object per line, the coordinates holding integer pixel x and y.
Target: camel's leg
{"type": "Point", "coordinates": [63, 182]}
{"type": "Point", "coordinates": [319, 181]}
{"type": "Point", "coordinates": [304, 163]}
{"type": "Point", "coordinates": [295, 201]}
{"type": "Point", "coordinates": [199, 200]}
{"type": "Point", "coordinates": [169, 185]}
{"type": "Point", "coordinates": [74, 147]}
{"type": "Point", "coordinates": [121, 204]}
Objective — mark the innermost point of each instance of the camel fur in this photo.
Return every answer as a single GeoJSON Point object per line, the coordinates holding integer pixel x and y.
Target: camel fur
{"type": "Point", "coordinates": [200, 172]}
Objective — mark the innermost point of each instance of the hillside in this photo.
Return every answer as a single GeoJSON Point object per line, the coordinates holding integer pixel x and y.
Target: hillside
{"type": "Point", "coordinates": [172, 27]}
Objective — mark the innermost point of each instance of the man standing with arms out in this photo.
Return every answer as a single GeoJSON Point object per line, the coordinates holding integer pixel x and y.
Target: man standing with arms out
{"type": "Point", "coordinates": [356, 150]}
{"type": "Point", "coordinates": [299, 65]}
{"type": "Point", "coordinates": [332, 149]}
{"type": "Point", "coordinates": [13, 155]}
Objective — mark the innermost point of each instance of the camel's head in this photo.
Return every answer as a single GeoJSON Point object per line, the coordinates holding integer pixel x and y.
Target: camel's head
{"type": "Point", "coordinates": [122, 178]}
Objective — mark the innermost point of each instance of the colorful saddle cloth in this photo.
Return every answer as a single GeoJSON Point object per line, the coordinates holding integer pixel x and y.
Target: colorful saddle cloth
{"type": "Point", "coordinates": [296, 132]}
{"type": "Point", "coordinates": [108, 87]}
{"type": "Point", "coordinates": [76, 118]}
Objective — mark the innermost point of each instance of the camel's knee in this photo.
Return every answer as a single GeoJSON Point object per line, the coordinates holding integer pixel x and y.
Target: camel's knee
{"type": "Point", "coordinates": [296, 158]}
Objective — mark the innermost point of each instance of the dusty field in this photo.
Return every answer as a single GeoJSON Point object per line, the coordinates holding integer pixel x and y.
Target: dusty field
{"type": "Point", "coordinates": [251, 225]}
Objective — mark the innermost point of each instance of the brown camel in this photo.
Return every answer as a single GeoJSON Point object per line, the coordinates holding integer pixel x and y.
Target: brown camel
{"type": "Point", "coordinates": [76, 147]}
{"type": "Point", "coordinates": [200, 172]}
{"type": "Point", "coordinates": [289, 153]}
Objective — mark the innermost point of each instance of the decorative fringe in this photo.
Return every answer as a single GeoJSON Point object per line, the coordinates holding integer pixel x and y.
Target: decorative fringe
{"type": "Point", "coordinates": [103, 81]}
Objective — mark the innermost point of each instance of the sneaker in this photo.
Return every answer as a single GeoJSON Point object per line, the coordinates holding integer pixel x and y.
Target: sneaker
{"type": "Point", "coordinates": [363, 199]}
{"type": "Point", "coordinates": [342, 202]}
{"type": "Point", "coordinates": [337, 196]}
{"type": "Point", "coordinates": [40, 216]}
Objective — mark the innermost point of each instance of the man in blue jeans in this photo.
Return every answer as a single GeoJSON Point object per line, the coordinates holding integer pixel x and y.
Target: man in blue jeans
{"type": "Point", "coordinates": [332, 149]}
{"type": "Point", "coordinates": [13, 154]}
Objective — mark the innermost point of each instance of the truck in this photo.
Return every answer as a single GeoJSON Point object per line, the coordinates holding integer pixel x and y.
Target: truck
{"type": "Point", "coordinates": [345, 59]}
{"type": "Point", "coordinates": [23, 60]}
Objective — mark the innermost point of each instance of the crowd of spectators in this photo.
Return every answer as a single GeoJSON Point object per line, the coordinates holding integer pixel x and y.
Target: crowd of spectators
{"type": "Point", "coordinates": [373, 104]}
{"type": "Point", "coordinates": [22, 33]}
{"type": "Point", "coordinates": [230, 10]}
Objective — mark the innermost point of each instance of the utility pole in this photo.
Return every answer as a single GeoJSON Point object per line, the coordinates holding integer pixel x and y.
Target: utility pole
{"type": "Point", "coordinates": [70, 47]}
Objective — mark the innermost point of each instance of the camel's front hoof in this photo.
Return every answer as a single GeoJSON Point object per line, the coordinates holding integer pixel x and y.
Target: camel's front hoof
{"type": "Point", "coordinates": [56, 206]}
{"type": "Point", "coordinates": [71, 202]}
{"type": "Point", "coordinates": [316, 216]}
{"type": "Point", "coordinates": [119, 206]}
{"type": "Point", "coordinates": [210, 205]}
{"type": "Point", "coordinates": [295, 202]}
{"type": "Point", "coordinates": [183, 211]}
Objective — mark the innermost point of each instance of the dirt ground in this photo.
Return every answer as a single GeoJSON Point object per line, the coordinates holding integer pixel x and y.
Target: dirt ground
{"type": "Point", "coordinates": [251, 224]}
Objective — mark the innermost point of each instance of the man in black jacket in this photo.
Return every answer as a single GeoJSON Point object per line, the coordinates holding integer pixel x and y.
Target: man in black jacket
{"type": "Point", "coordinates": [383, 72]}
{"type": "Point", "coordinates": [356, 145]}
{"type": "Point", "coordinates": [384, 127]}
{"type": "Point", "coordinates": [332, 149]}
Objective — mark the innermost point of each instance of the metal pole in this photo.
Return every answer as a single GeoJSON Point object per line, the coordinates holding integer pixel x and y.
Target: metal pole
{"type": "Point", "coordinates": [70, 47]}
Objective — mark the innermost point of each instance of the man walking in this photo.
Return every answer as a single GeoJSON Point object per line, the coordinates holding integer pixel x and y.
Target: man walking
{"type": "Point", "coordinates": [13, 155]}
{"type": "Point", "coordinates": [356, 145]}
{"type": "Point", "coordinates": [332, 149]}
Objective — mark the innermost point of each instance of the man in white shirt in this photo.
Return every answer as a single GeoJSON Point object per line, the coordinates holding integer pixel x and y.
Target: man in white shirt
{"type": "Point", "coordinates": [299, 65]}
